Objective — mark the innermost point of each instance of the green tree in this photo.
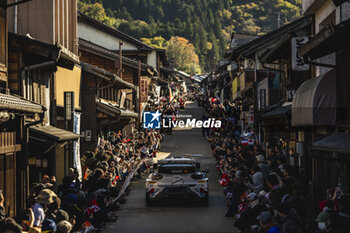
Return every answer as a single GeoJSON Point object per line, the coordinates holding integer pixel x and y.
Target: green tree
{"type": "Point", "coordinates": [181, 54]}
{"type": "Point", "coordinates": [195, 20]}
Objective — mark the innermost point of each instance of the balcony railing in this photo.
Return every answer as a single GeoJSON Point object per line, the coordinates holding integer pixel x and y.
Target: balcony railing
{"type": "Point", "coordinates": [8, 142]}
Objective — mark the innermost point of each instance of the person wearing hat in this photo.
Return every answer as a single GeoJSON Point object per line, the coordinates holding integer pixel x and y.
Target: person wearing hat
{"type": "Point", "coordinates": [266, 222]}
{"type": "Point", "coordinates": [45, 197]}
{"type": "Point", "coordinates": [324, 223]}
{"type": "Point", "coordinates": [251, 196]}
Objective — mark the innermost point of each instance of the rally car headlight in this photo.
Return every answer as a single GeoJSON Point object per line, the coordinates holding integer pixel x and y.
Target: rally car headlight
{"type": "Point", "coordinates": [197, 176]}
{"type": "Point", "coordinates": [156, 176]}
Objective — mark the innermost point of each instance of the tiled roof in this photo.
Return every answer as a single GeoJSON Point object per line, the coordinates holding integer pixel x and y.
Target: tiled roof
{"type": "Point", "coordinates": [54, 133]}
{"type": "Point", "coordinates": [84, 44]}
{"type": "Point", "coordinates": [103, 73]}
{"type": "Point", "coordinates": [11, 102]}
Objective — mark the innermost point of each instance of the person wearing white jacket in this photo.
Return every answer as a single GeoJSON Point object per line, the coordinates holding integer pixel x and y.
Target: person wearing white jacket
{"type": "Point", "coordinates": [257, 179]}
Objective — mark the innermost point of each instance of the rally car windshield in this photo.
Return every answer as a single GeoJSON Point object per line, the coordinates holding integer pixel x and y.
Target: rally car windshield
{"type": "Point", "coordinates": [177, 169]}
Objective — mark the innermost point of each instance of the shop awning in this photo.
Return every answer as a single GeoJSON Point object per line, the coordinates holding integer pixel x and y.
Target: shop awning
{"type": "Point", "coordinates": [330, 39]}
{"type": "Point", "coordinates": [128, 113]}
{"type": "Point", "coordinates": [16, 103]}
{"type": "Point", "coordinates": [107, 108]}
{"type": "Point", "coordinates": [92, 48]}
{"type": "Point", "coordinates": [113, 110]}
{"type": "Point", "coordinates": [314, 102]}
{"type": "Point", "coordinates": [278, 112]}
{"type": "Point", "coordinates": [337, 142]}
{"type": "Point", "coordinates": [56, 134]}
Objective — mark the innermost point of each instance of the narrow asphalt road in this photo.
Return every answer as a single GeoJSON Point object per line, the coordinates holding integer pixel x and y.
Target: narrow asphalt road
{"type": "Point", "coordinates": [135, 217]}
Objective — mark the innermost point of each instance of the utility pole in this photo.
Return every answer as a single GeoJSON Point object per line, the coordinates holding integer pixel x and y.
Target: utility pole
{"type": "Point", "coordinates": [120, 60]}
{"type": "Point", "coordinates": [139, 89]}
{"type": "Point", "coordinates": [278, 19]}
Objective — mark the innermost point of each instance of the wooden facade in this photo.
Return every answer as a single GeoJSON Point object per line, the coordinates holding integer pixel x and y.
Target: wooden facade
{"type": "Point", "coordinates": [9, 151]}
{"type": "Point", "coordinates": [15, 112]}
{"type": "Point", "coordinates": [30, 68]}
{"type": "Point", "coordinates": [107, 91]}
{"type": "Point", "coordinates": [98, 88]}
{"type": "Point", "coordinates": [3, 44]}
{"type": "Point", "coordinates": [38, 71]}
{"type": "Point", "coordinates": [8, 130]}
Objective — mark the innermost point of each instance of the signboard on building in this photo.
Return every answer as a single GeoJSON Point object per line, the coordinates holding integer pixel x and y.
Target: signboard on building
{"type": "Point", "coordinates": [122, 99]}
{"type": "Point", "coordinates": [298, 61]}
{"type": "Point", "coordinates": [157, 90]}
{"type": "Point", "coordinates": [235, 88]}
{"type": "Point", "coordinates": [290, 95]}
{"type": "Point", "coordinates": [143, 89]}
{"type": "Point", "coordinates": [251, 120]}
{"type": "Point", "coordinates": [76, 144]}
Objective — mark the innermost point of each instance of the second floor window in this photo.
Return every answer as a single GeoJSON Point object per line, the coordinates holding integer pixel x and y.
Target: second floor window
{"type": "Point", "coordinates": [108, 93]}
{"type": "Point", "coordinates": [36, 86]}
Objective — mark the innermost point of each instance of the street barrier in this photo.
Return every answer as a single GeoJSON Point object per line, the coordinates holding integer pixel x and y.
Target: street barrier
{"type": "Point", "coordinates": [126, 183]}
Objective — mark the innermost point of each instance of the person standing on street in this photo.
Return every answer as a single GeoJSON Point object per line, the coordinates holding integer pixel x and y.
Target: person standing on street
{"type": "Point", "coordinates": [324, 223]}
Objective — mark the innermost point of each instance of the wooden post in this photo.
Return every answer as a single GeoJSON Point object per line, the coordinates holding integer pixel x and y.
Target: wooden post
{"type": "Point", "coordinates": [120, 60]}
{"type": "Point", "coordinates": [139, 81]}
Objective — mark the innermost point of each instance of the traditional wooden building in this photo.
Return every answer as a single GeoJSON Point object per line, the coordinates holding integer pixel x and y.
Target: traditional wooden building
{"type": "Point", "coordinates": [105, 106]}
{"type": "Point", "coordinates": [263, 68]}
{"type": "Point", "coordinates": [32, 70]}
{"type": "Point", "coordinates": [16, 116]}
{"type": "Point", "coordinates": [327, 95]}
{"type": "Point", "coordinates": [116, 104]}
{"type": "Point", "coordinates": [44, 68]}
{"type": "Point", "coordinates": [280, 60]}
{"type": "Point", "coordinates": [117, 42]}
{"type": "Point", "coordinates": [111, 39]}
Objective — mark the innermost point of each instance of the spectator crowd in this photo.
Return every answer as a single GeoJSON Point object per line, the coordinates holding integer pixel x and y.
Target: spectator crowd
{"type": "Point", "coordinates": [263, 187]}
{"type": "Point", "coordinates": [83, 203]}
{"type": "Point", "coordinates": [86, 200]}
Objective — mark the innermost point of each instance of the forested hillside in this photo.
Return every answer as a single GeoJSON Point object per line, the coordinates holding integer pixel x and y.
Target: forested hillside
{"type": "Point", "coordinates": [207, 24]}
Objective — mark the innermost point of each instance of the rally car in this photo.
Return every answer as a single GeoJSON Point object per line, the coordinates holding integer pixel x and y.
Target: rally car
{"type": "Point", "coordinates": [177, 177]}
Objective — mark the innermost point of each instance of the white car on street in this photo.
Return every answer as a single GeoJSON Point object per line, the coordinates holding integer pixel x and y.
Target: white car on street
{"type": "Point", "coordinates": [177, 177]}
